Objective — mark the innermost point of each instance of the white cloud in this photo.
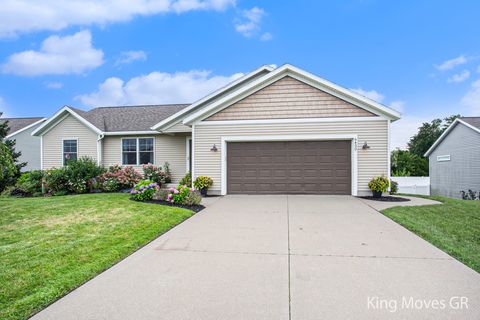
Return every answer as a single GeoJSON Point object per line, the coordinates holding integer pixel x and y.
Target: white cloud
{"type": "Point", "coordinates": [472, 98]}
{"type": "Point", "coordinates": [57, 55]}
{"type": "Point", "coordinates": [402, 130]}
{"type": "Point", "coordinates": [131, 56]}
{"type": "Point", "coordinates": [251, 22]}
{"type": "Point", "coordinates": [21, 16]}
{"type": "Point", "coordinates": [156, 88]}
{"type": "Point", "coordinates": [4, 109]}
{"type": "Point", "coordinates": [267, 36]}
{"type": "Point", "coordinates": [54, 85]}
{"type": "Point", "coordinates": [372, 94]}
{"type": "Point", "coordinates": [398, 105]}
{"type": "Point", "coordinates": [452, 63]}
{"type": "Point", "coordinates": [459, 77]}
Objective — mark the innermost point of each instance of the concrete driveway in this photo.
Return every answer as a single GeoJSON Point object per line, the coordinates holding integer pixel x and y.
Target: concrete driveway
{"type": "Point", "coordinates": [281, 257]}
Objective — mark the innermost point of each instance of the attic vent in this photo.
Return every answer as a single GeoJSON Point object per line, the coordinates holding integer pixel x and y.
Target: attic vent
{"type": "Point", "coordinates": [443, 158]}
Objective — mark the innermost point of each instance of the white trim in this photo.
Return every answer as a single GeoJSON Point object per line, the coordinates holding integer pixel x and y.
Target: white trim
{"type": "Point", "coordinates": [192, 174]}
{"type": "Point", "coordinates": [63, 149]}
{"type": "Point", "coordinates": [292, 120]}
{"type": "Point", "coordinates": [187, 153]}
{"type": "Point", "coordinates": [126, 133]}
{"type": "Point", "coordinates": [208, 97]}
{"type": "Point", "coordinates": [288, 70]}
{"type": "Point", "coordinates": [59, 113]}
{"type": "Point", "coordinates": [137, 151]}
{"type": "Point", "coordinates": [303, 137]}
{"type": "Point", "coordinates": [24, 128]}
{"type": "Point", "coordinates": [388, 155]}
{"type": "Point", "coordinates": [444, 134]}
{"type": "Point", "coordinates": [53, 125]}
{"type": "Point", "coordinates": [41, 153]}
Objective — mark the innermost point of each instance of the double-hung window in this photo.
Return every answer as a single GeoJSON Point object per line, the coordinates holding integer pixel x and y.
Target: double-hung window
{"type": "Point", "coordinates": [137, 151]}
{"type": "Point", "coordinates": [70, 150]}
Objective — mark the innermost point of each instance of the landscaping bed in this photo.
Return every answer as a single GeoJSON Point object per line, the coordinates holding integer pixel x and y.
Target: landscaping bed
{"type": "Point", "coordinates": [386, 198]}
{"type": "Point", "coordinates": [194, 208]}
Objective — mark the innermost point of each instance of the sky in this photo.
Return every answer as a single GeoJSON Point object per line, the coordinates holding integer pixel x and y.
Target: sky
{"type": "Point", "coordinates": [421, 58]}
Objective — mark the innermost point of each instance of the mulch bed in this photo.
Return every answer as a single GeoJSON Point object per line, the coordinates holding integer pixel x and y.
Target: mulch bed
{"type": "Point", "coordinates": [386, 199]}
{"type": "Point", "coordinates": [196, 208]}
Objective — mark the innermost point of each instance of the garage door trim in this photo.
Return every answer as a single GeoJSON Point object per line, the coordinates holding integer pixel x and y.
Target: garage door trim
{"type": "Point", "coordinates": [315, 137]}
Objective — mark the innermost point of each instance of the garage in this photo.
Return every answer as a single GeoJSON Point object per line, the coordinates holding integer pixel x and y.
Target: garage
{"type": "Point", "coordinates": [289, 167]}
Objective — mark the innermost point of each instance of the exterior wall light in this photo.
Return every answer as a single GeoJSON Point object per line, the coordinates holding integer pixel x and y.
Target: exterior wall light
{"type": "Point", "coordinates": [365, 146]}
{"type": "Point", "coordinates": [214, 148]}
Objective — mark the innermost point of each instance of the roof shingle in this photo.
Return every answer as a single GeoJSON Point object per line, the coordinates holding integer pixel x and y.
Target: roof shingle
{"type": "Point", "coordinates": [129, 118]}
{"type": "Point", "coordinates": [474, 121]}
{"type": "Point", "coordinates": [16, 124]}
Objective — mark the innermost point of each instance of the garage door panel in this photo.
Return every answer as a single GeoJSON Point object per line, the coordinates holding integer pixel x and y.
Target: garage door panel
{"type": "Point", "coordinates": [296, 167]}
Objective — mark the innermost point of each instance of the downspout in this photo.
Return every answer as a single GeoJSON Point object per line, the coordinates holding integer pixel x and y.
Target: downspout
{"type": "Point", "coordinates": [99, 148]}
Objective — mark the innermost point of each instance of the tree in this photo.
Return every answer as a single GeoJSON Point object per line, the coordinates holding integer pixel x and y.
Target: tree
{"type": "Point", "coordinates": [428, 133]}
{"type": "Point", "coordinates": [9, 164]}
{"type": "Point", "coordinates": [405, 163]}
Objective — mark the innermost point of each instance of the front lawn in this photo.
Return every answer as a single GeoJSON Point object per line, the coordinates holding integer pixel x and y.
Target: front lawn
{"type": "Point", "coordinates": [453, 226]}
{"type": "Point", "coordinates": [49, 246]}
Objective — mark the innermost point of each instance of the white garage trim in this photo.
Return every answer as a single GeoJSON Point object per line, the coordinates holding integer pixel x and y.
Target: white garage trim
{"type": "Point", "coordinates": [312, 137]}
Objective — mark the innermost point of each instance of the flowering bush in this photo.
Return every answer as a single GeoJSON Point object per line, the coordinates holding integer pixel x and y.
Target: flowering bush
{"type": "Point", "coordinates": [144, 190]}
{"type": "Point", "coordinates": [187, 180]}
{"type": "Point", "coordinates": [118, 178]}
{"type": "Point", "coordinates": [181, 195]}
{"type": "Point", "coordinates": [156, 174]}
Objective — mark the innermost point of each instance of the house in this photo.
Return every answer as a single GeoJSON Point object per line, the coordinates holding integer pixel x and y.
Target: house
{"type": "Point", "coordinates": [21, 131]}
{"type": "Point", "coordinates": [454, 159]}
{"type": "Point", "coordinates": [274, 130]}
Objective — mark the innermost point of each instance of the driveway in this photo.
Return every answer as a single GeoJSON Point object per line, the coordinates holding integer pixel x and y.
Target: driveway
{"type": "Point", "coordinates": [280, 257]}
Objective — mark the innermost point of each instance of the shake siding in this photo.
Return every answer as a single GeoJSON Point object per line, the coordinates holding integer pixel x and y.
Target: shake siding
{"type": "Point", "coordinates": [289, 98]}
{"type": "Point", "coordinates": [179, 127]}
{"type": "Point", "coordinates": [171, 149]}
{"type": "Point", "coordinates": [371, 162]}
{"type": "Point", "coordinates": [66, 129]}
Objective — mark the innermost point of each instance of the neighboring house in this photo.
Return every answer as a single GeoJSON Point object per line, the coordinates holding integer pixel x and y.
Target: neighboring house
{"type": "Point", "coordinates": [279, 130]}
{"type": "Point", "coordinates": [21, 131]}
{"type": "Point", "coordinates": [454, 159]}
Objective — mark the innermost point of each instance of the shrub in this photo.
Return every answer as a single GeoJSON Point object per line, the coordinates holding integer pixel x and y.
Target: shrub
{"type": "Point", "coordinates": [393, 187]}
{"type": "Point", "coordinates": [155, 174]}
{"type": "Point", "coordinates": [203, 182]}
{"type": "Point", "coordinates": [193, 198]}
{"type": "Point", "coordinates": [56, 180]}
{"type": "Point", "coordinates": [30, 182]}
{"type": "Point", "coordinates": [181, 195]}
{"type": "Point", "coordinates": [117, 178]}
{"type": "Point", "coordinates": [144, 190]}
{"type": "Point", "coordinates": [186, 180]}
{"type": "Point", "coordinates": [379, 184]}
{"type": "Point", "coordinates": [168, 173]}
{"type": "Point", "coordinates": [80, 174]}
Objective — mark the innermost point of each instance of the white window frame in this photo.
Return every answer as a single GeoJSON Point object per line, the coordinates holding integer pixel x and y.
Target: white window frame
{"type": "Point", "coordinates": [443, 158]}
{"type": "Point", "coordinates": [309, 137]}
{"type": "Point", "coordinates": [137, 151]}
{"type": "Point", "coordinates": [63, 149]}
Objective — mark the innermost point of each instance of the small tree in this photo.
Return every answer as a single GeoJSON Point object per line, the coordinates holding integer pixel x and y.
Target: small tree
{"type": "Point", "coordinates": [405, 163]}
{"type": "Point", "coordinates": [8, 156]}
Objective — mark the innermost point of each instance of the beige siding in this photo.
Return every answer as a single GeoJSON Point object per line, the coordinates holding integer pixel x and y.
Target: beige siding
{"type": "Point", "coordinates": [371, 162]}
{"type": "Point", "coordinates": [171, 149]}
{"type": "Point", "coordinates": [179, 127]}
{"type": "Point", "coordinates": [66, 129]}
{"type": "Point", "coordinates": [289, 98]}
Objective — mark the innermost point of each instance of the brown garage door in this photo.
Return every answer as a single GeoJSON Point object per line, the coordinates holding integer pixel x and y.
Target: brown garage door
{"type": "Point", "coordinates": [291, 167]}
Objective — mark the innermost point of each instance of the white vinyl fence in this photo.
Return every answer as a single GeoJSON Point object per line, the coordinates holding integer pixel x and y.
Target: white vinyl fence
{"type": "Point", "coordinates": [413, 185]}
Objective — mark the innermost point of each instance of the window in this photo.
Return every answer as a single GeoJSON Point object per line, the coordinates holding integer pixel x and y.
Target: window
{"type": "Point", "coordinates": [70, 151]}
{"type": "Point", "coordinates": [443, 158]}
{"type": "Point", "coordinates": [136, 151]}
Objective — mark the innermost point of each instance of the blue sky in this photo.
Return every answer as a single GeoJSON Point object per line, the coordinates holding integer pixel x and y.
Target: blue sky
{"type": "Point", "coordinates": [421, 57]}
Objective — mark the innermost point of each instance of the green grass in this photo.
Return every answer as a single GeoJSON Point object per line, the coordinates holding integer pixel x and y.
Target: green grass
{"type": "Point", "coordinates": [453, 226]}
{"type": "Point", "coordinates": [49, 246]}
